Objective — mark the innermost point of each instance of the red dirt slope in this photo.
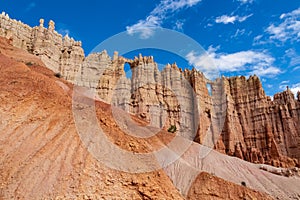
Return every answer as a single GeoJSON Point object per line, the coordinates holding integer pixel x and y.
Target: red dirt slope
{"type": "Point", "coordinates": [41, 154]}
{"type": "Point", "coordinates": [207, 186]}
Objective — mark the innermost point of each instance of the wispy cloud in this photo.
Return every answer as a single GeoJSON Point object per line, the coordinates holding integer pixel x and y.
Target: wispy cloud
{"type": "Point", "coordinates": [245, 1]}
{"type": "Point", "coordinates": [155, 19]}
{"type": "Point", "coordinates": [265, 70]}
{"type": "Point", "coordinates": [294, 58]}
{"type": "Point", "coordinates": [259, 40]}
{"type": "Point", "coordinates": [296, 68]}
{"type": "Point", "coordinates": [30, 6]}
{"type": "Point", "coordinates": [226, 19]}
{"type": "Point", "coordinates": [249, 62]}
{"type": "Point", "coordinates": [295, 88]}
{"type": "Point", "coordinates": [288, 29]}
{"type": "Point", "coordinates": [64, 31]}
{"type": "Point", "coordinates": [284, 82]}
{"type": "Point", "coordinates": [179, 25]}
{"type": "Point", "coordinates": [239, 33]}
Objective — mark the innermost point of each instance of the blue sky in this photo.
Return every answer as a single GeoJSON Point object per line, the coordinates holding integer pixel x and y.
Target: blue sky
{"type": "Point", "coordinates": [241, 37]}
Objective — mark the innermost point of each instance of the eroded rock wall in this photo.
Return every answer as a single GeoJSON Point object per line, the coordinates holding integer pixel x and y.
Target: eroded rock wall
{"type": "Point", "coordinates": [260, 130]}
{"type": "Point", "coordinates": [61, 54]}
{"type": "Point", "coordinates": [234, 115]}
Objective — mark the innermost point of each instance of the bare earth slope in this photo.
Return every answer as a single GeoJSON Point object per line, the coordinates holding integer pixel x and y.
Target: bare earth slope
{"type": "Point", "coordinates": [42, 156]}
{"type": "Point", "coordinates": [207, 186]}
{"type": "Point", "coordinates": [254, 127]}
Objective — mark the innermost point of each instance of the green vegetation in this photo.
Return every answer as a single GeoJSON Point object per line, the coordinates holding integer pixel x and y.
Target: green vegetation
{"type": "Point", "coordinates": [29, 64]}
{"type": "Point", "coordinates": [172, 129]}
{"type": "Point", "coordinates": [244, 183]}
{"type": "Point", "coordinates": [58, 75]}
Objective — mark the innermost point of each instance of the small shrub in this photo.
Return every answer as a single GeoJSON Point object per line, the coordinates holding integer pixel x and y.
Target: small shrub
{"type": "Point", "coordinates": [207, 111]}
{"type": "Point", "coordinates": [29, 64]}
{"type": "Point", "coordinates": [58, 75]}
{"type": "Point", "coordinates": [243, 183]}
{"type": "Point", "coordinates": [172, 129]}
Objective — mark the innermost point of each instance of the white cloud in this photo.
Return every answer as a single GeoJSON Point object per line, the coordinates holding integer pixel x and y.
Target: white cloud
{"type": "Point", "coordinates": [146, 27]}
{"type": "Point", "coordinates": [250, 62]}
{"type": "Point", "coordinates": [244, 18]}
{"type": "Point", "coordinates": [284, 82]}
{"type": "Point", "coordinates": [283, 85]}
{"type": "Point", "coordinates": [225, 19]}
{"type": "Point", "coordinates": [288, 29]}
{"type": "Point", "coordinates": [295, 88]}
{"type": "Point", "coordinates": [269, 71]}
{"type": "Point", "coordinates": [179, 25]}
{"type": "Point", "coordinates": [269, 86]}
{"type": "Point", "coordinates": [245, 1]}
{"type": "Point", "coordinates": [294, 58]}
{"type": "Point", "coordinates": [64, 31]}
{"type": "Point", "coordinates": [296, 68]}
{"type": "Point", "coordinates": [259, 40]}
{"type": "Point", "coordinates": [238, 33]}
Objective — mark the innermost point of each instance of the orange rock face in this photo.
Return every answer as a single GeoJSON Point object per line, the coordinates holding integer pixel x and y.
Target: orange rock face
{"type": "Point", "coordinates": [43, 157]}
{"type": "Point", "coordinates": [260, 130]}
{"type": "Point", "coordinates": [41, 154]}
{"type": "Point", "coordinates": [207, 186]}
{"type": "Point", "coordinates": [235, 117]}
{"type": "Point", "coordinates": [242, 121]}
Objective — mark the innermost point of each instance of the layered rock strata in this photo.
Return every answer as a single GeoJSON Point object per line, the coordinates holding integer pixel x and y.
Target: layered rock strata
{"type": "Point", "coordinates": [234, 115]}
{"type": "Point", "coordinates": [61, 54]}
{"type": "Point", "coordinates": [258, 129]}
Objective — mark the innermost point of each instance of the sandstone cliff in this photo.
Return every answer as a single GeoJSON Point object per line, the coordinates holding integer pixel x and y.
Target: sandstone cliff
{"type": "Point", "coordinates": [260, 130]}
{"type": "Point", "coordinates": [252, 126]}
{"type": "Point", "coordinates": [43, 157]}
{"type": "Point", "coordinates": [61, 54]}
{"type": "Point", "coordinates": [41, 154]}
{"type": "Point", "coordinates": [234, 115]}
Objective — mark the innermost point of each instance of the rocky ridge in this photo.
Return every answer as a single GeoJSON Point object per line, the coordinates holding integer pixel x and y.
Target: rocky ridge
{"type": "Point", "coordinates": [61, 54]}
{"type": "Point", "coordinates": [258, 129]}
{"type": "Point", "coordinates": [251, 126]}
{"type": "Point", "coordinates": [236, 117]}
{"type": "Point", "coordinates": [43, 157]}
